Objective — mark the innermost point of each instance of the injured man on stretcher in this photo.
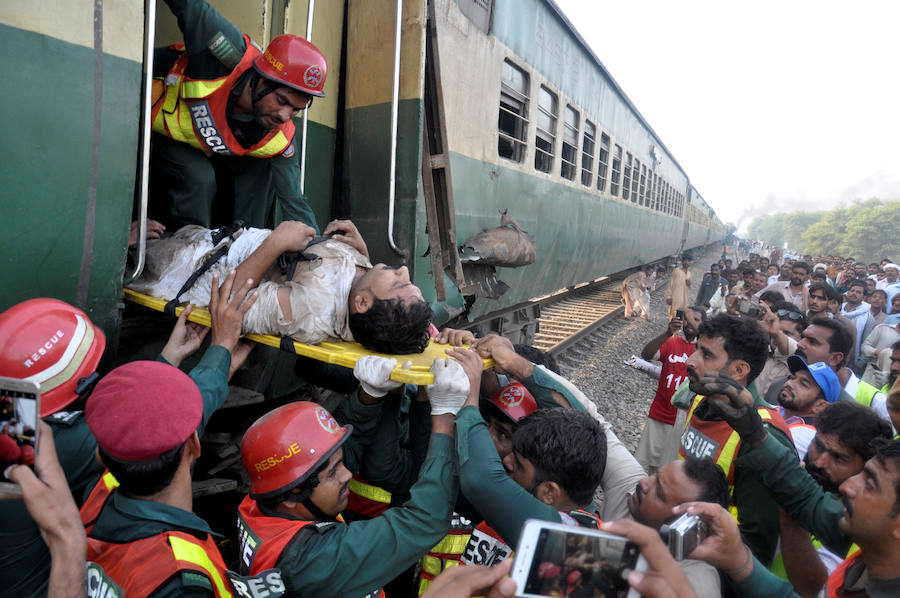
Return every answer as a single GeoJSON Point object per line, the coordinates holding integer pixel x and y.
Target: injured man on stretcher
{"type": "Point", "coordinates": [330, 292]}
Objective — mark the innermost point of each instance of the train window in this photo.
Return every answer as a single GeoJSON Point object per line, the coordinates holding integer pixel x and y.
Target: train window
{"type": "Point", "coordinates": [545, 138]}
{"type": "Point", "coordinates": [587, 153]}
{"type": "Point", "coordinates": [644, 200]}
{"type": "Point", "coordinates": [626, 177]}
{"type": "Point", "coordinates": [604, 162]}
{"type": "Point", "coordinates": [569, 144]}
{"type": "Point", "coordinates": [616, 171]}
{"type": "Point", "coordinates": [635, 189]}
{"type": "Point", "coordinates": [512, 122]}
{"type": "Point", "coordinates": [656, 203]}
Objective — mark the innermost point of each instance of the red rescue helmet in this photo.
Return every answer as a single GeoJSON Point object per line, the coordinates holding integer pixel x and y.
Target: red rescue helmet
{"type": "Point", "coordinates": [292, 61]}
{"type": "Point", "coordinates": [573, 578]}
{"type": "Point", "coordinates": [52, 343]}
{"type": "Point", "coordinates": [26, 455]}
{"type": "Point", "coordinates": [548, 570]}
{"type": "Point", "coordinates": [513, 401]}
{"type": "Point", "coordinates": [285, 446]}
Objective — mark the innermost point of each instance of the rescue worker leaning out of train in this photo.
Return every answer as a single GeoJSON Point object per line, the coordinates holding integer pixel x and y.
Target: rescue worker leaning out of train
{"type": "Point", "coordinates": [299, 485]}
{"type": "Point", "coordinates": [223, 115]}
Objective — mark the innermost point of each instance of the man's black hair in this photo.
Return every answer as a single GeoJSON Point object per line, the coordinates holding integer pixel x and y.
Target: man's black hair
{"type": "Point", "coordinates": [882, 291]}
{"type": "Point", "coordinates": [895, 346]}
{"type": "Point", "coordinates": [744, 340]}
{"type": "Point", "coordinates": [390, 326]}
{"type": "Point", "coordinates": [856, 283]}
{"type": "Point", "coordinates": [700, 311]}
{"type": "Point", "coordinates": [538, 357]}
{"type": "Point", "coordinates": [711, 479]}
{"type": "Point", "coordinates": [803, 265]}
{"type": "Point", "coordinates": [856, 426]}
{"type": "Point", "coordinates": [820, 286]}
{"type": "Point", "coordinates": [564, 446]}
{"type": "Point", "coordinates": [889, 450]}
{"type": "Point", "coordinates": [771, 297]}
{"type": "Point", "coordinates": [147, 477]}
{"type": "Point", "coordinates": [841, 340]}
{"type": "Point", "coordinates": [796, 315]}
{"type": "Point", "coordinates": [817, 275]}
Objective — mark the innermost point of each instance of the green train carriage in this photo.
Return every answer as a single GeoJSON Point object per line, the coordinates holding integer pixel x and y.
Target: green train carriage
{"type": "Point", "coordinates": [497, 106]}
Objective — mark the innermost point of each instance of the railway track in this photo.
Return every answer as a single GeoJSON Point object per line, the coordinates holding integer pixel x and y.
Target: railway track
{"type": "Point", "coordinates": [569, 317]}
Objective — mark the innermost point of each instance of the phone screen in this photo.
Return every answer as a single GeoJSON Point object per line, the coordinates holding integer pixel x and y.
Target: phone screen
{"type": "Point", "coordinates": [18, 424]}
{"type": "Point", "coordinates": [578, 564]}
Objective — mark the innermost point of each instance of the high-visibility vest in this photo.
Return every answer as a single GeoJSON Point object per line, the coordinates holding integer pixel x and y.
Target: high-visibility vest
{"type": "Point", "coordinates": [865, 392]}
{"type": "Point", "coordinates": [193, 111]}
{"type": "Point", "coordinates": [446, 553]}
{"type": "Point", "coordinates": [142, 566]}
{"type": "Point", "coordinates": [100, 493]}
{"type": "Point", "coordinates": [367, 500]}
{"type": "Point", "coordinates": [263, 539]}
{"type": "Point", "coordinates": [717, 441]}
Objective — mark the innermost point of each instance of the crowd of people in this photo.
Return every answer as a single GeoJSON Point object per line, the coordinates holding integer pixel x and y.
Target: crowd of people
{"type": "Point", "coordinates": [773, 420]}
{"type": "Point", "coordinates": [760, 425]}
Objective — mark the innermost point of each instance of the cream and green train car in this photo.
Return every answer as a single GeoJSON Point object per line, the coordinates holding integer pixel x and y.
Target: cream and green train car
{"type": "Point", "coordinates": [532, 124]}
{"type": "Point", "coordinates": [439, 115]}
{"type": "Point", "coordinates": [70, 178]}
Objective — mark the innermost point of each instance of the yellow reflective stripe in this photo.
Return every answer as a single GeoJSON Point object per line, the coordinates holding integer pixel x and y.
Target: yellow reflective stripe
{"type": "Point", "coordinates": [277, 144]}
{"type": "Point", "coordinates": [726, 456]}
{"type": "Point", "coordinates": [431, 565]}
{"type": "Point", "coordinates": [451, 544]}
{"type": "Point", "coordinates": [110, 481]}
{"type": "Point", "coordinates": [194, 553]}
{"type": "Point", "coordinates": [371, 492]}
{"type": "Point", "coordinates": [194, 88]}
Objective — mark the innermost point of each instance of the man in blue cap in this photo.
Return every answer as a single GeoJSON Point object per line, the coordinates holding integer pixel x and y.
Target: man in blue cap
{"type": "Point", "coordinates": [809, 390]}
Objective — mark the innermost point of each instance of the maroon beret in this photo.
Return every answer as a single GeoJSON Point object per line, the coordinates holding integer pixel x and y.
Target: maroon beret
{"type": "Point", "coordinates": [142, 409]}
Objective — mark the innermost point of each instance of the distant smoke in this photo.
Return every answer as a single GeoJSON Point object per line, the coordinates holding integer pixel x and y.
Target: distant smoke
{"type": "Point", "coordinates": [883, 185]}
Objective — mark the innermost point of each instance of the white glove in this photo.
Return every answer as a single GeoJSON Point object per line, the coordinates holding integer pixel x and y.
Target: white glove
{"type": "Point", "coordinates": [450, 388]}
{"type": "Point", "coordinates": [374, 374]}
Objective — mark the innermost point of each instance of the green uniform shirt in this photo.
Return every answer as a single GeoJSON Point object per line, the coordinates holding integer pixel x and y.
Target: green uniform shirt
{"type": "Point", "coordinates": [542, 382]}
{"type": "Point", "coordinates": [336, 559]}
{"type": "Point", "coordinates": [125, 519]}
{"type": "Point", "coordinates": [757, 512]}
{"type": "Point", "coordinates": [504, 504]}
{"type": "Point", "coordinates": [200, 24]}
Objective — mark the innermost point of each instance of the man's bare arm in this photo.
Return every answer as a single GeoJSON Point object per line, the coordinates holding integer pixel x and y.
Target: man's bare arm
{"type": "Point", "coordinates": [289, 236]}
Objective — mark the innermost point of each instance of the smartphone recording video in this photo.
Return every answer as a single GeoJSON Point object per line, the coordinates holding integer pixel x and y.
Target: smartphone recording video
{"type": "Point", "coordinates": [19, 415]}
{"type": "Point", "coordinates": [558, 560]}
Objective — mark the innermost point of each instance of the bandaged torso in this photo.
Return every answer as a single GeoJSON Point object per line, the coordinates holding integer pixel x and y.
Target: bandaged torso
{"type": "Point", "coordinates": [318, 289]}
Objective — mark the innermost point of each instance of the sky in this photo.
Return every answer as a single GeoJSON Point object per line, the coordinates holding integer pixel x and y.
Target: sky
{"type": "Point", "coordinates": [768, 106]}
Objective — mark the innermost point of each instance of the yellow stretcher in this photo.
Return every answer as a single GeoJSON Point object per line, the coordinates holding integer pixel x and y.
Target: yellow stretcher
{"type": "Point", "coordinates": [339, 353]}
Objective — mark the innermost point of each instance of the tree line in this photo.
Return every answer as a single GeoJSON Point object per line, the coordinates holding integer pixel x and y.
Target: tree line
{"type": "Point", "coordinates": [867, 230]}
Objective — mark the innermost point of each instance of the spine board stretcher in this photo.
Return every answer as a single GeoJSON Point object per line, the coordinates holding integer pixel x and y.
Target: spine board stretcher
{"type": "Point", "coordinates": [336, 352]}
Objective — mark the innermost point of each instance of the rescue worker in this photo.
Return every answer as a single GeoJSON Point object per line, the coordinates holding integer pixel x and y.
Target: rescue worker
{"type": "Point", "coordinates": [299, 485]}
{"type": "Point", "coordinates": [556, 463]}
{"type": "Point", "coordinates": [737, 347]}
{"type": "Point", "coordinates": [224, 110]}
{"type": "Point", "coordinates": [145, 416]}
{"type": "Point", "coordinates": [867, 514]}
